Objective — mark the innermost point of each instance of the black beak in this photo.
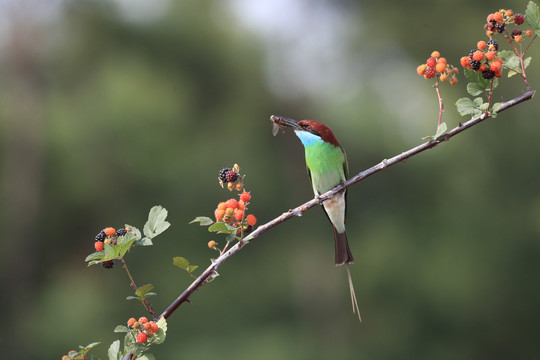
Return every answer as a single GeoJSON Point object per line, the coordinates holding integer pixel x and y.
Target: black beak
{"type": "Point", "coordinates": [284, 121]}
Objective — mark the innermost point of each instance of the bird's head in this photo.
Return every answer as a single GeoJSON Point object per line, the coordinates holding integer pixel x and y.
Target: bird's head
{"type": "Point", "coordinates": [308, 131]}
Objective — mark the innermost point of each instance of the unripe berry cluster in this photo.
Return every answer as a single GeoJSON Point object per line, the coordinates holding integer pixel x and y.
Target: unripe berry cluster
{"type": "Point", "coordinates": [498, 21]}
{"type": "Point", "coordinates": [437, 66]}
{"type": "Point", "coordinates": [142, 329]}
{"type": "Point", "coordinates": [484, 59]}
{"type": "Point", "coordinates": [231, 177]}
{"type": "Point", "coordinates": [109, 235]}
{"type": "Point", "coordinates": [232, 211]}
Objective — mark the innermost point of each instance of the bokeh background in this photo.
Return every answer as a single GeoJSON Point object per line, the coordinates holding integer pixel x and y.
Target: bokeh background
{"type": "Point", "coordinates": [110, 107]}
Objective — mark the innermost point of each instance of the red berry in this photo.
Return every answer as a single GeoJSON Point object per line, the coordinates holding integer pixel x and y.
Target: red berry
{"type": "Point", "coordinates": [490, 55]}
{"type": "Point", "coordinates": [497, 16]}
{"type": "Point", "coordinates": [232, 203]}
{"type": "Point", "coordinates": [147, 326]}
{"type": "Point", "coordinates": [430, 72]}
{"type": "Point", "coordinates": [478, 55]}
{"type": "Point", "coordinates": [110, 231]}
{"type": "Point", "coordinates": [245, 197]}
{"type": "Point", "coordinates": [238, 215]}
{"type": "Point", "coordinates": [252, 220]}
{"type": "Point", "coordinates": [212, 244]}
{"type": "Point", "coordinates": [435, 54]}
{"type": "Point", "coordinates": [154, 327]}
{"type": "Point", "coordinates": [519, 19]}
{"type": "Point", "coordinates": [143, 320]}
{"type": "Point", "coordinates": [440, 67]}
{"type": "Point", "coordinates": [464, 61]}
{"type": "Point", "coordinates": [98, 245]}
{"type": "Point", "coordinates": [495, 66]}
{"type": "Point", "coordinates": [219, 213]}
{"type": "Point", "coordinates": [131, 321]}
{"type": "Point", "coordinates": [222, 206]}
{"type": "Point", "coordinates": [141, 337]}
{"type": "Point", "coordinates": [421, 69]}
{"type": "Point", "coordinates": [481, 45]}
{"type": "Point", "coordinates": [431, 62]}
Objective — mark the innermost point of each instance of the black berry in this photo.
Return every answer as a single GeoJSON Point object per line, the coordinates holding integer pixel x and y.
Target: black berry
{"type": "Point", "coordinates": [516, 32]}
{"type": "Point", "coordinates": [500, 28]}
{"type": "Point", "coordinates": [121, 232]}
{"type": "Point", "coordinates": [519, 19]}
{"type": "Point", "coordinates": [100, 236]}
{"type": "Point", "coordinates": [108, 264]}
{"type": "Point", "coordinates": [231, 176]}
{"type": "Point", "coordinates": [494, 43]}
{"type": "Point", "coordinates": [223, 174]}
{"type": "Point", "coordinates": [488, 74]}
{"type": "Point", "coordinates": [475, 65]}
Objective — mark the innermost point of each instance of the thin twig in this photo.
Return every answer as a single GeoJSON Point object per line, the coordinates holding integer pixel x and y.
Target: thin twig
{"type": "Point", "coordinates": [134, 286]}
{"type": "Point", "coordinates": [299, 210]}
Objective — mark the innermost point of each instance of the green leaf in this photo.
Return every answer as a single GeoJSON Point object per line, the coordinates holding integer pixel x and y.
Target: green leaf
{"type": "Point", "coordinates": [222, 228]}
{"type": "Point", "coordinates": [135, 231]}
{"type": "Point", "coordinates": [121, 329]}
{"type": "Point", "coordinates": [475, 89]}
{"type": "Point", "coordinates": [203, 220]}
{"type": "Point", "coordinates": [532, 15]}
{"type": "Point", "coordinates": [111, 252]}
{"type": "Point", "coordinates": [191, 268]}
{"type": "Point", "coordinates": [145, 242]}
{"type": "Point", "coordinates": [466, 106]}
{"type": "Point", "coordinates": [162, 331]}
{"type": "Point", "coordinates": [527, 61]}
{"type": "Point", "coordinates": [156, 223]}
{"type": "Point", "coordinates": [114, 351]}
{"type": "Point", "coordinates": [441, 130]}
{"type": "Point", "coordinates": [131, 297]}
{"type": "Point", "coordinates": [143, 290]}
{"type": "Point", "coordinates": [181, 262]}
{"type": "Point", "coordinates": [95, 256]}
{"type": "Point", "coordinates": [494, 109]}
{"type": "Point", "coordinates": [230, 238]}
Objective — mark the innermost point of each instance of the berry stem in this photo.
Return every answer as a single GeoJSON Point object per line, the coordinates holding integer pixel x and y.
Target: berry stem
{"type": "Point", "coordinates": [520, 55]}
{"type": "Point", "coordinates": [145, 303]}
{"type": "Point", "coordinates": [441, 104]}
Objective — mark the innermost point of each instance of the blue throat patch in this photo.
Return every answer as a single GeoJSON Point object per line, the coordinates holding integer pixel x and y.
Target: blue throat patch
{"type": "Point", "coordinates": [307, 138]}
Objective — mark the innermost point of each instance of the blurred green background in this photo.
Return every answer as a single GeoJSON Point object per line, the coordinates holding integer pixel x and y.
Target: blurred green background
{"type": "Point", "coordinates": [110, 107]}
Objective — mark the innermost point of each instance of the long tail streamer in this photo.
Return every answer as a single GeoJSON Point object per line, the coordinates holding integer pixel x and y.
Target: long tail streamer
{"type": "Point", "coordinates": [355, 307]}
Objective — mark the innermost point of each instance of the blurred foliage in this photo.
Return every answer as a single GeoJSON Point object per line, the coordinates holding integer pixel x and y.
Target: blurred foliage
{"type": "Point", "coordinates": [102, 118]}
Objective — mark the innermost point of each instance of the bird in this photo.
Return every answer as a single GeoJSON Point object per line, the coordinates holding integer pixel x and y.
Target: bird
{"type": "Point", "coordinates": [327, 167]}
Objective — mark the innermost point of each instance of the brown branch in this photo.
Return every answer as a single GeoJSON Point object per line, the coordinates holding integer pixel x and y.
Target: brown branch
{"type": "Point", "coordinates": [298, 211]}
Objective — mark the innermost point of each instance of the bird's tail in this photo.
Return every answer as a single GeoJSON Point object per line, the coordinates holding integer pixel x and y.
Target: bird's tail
{"type": "Point", "coordinates": [343, 253]}
{"type": "Point", "coordinates": [355, 307]}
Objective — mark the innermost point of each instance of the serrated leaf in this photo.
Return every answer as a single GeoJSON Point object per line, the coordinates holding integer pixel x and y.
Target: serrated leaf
{"type": "Point", "coordinates": [496, 107]}
{"type": "Point", "coordinates": [191, 268]}
{"type": "Point", "coordinates": [505, 54]}
{"type": "Point", "coordinates": [466, 106]}
{"type": "Point", "coordinates": [145, 242]}
{"type": "Point", "coordinates": [162, 331]}
{"type": "Point", "coordinates": [181, 262]}
{"type": "Point", "coordinates": [143, 290]}
{"type": "Point", "coordinates": [203, 220]}
{"type": "Point", "coordinates": [114, 350]}
{"type": "Point", "coordinates": [527, 61]}
{"type": "Point", "coordinates": [475, 89]}
{"type": "Point", "coordinates": [135, 231]}
{"type": "Point", "coordinates": [111, 251]}
{"type": "Point", "coordinates": [532, 15]}
{"type": "Point", "coordinates": [484, 107]}
{"type": "Point", "coordinates": [95, 256]}
{"type": "Point", "coordinates": [156, 223]}
{"type": "Point", "coordinates": [478, 101]}
{"type": "Point", "coordinates": [230, 238]}
{"type": "Point", "coordinates": [222, 228]}
{"type": "Point", "coordinates": [441, 129]}
{"type": "Point", "coordinates": [121, 329]}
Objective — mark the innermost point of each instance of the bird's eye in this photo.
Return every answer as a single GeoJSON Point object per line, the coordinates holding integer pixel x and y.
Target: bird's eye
{"type": "Point", "coordinates": [308, 127]}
